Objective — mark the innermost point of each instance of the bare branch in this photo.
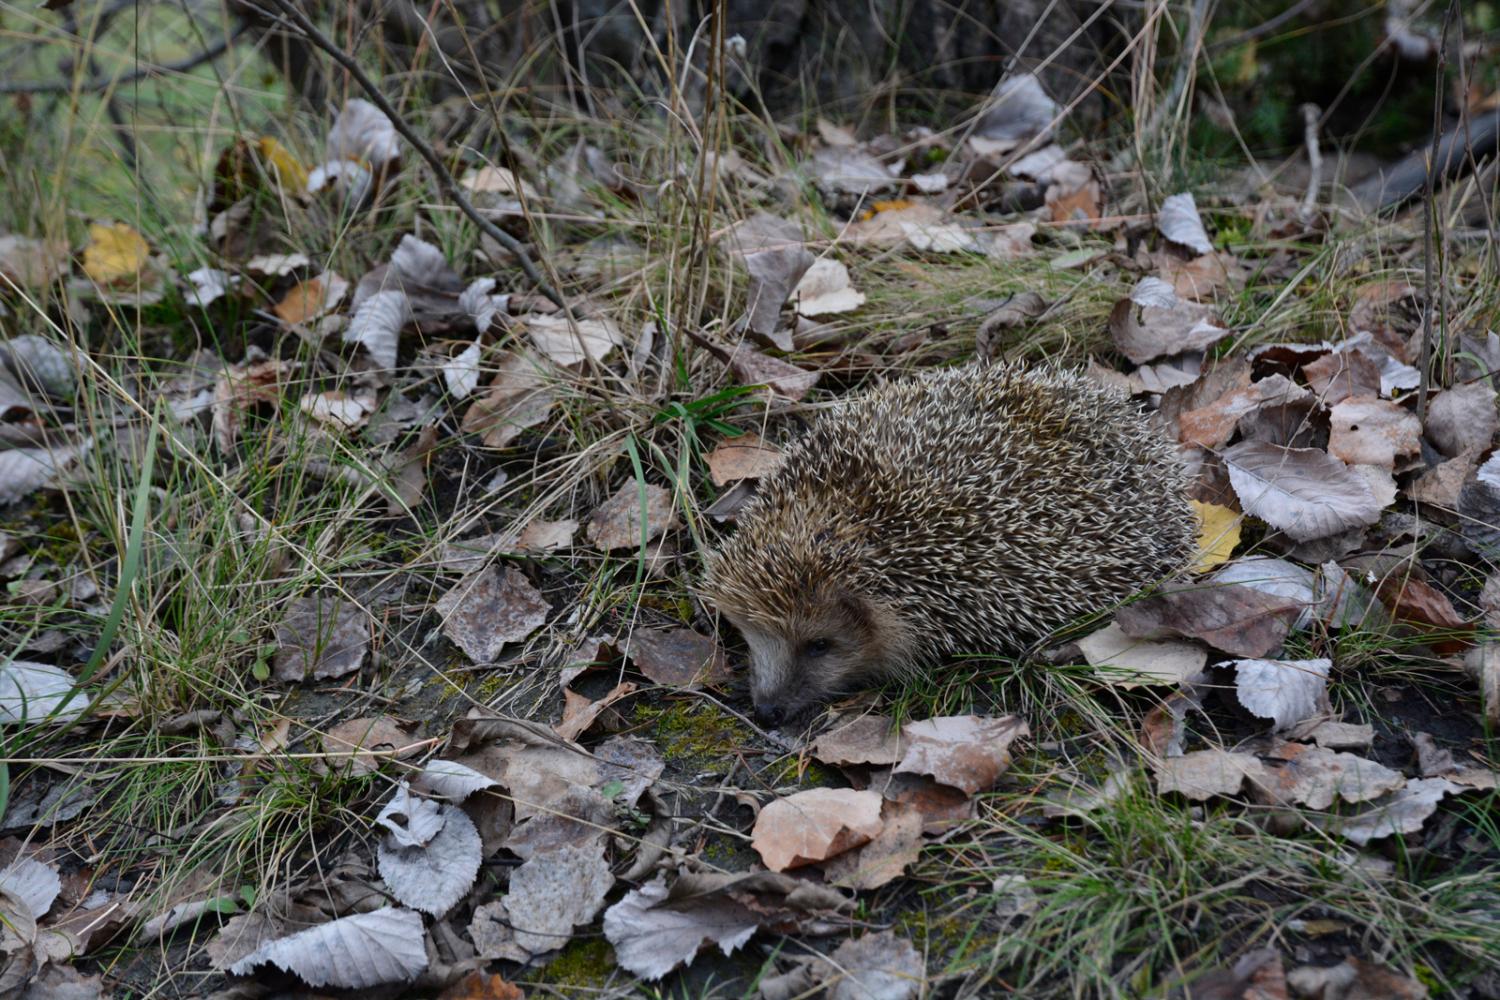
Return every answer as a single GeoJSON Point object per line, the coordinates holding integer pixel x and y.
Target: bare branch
{"type": "Point", "coordinates": [101, 83]}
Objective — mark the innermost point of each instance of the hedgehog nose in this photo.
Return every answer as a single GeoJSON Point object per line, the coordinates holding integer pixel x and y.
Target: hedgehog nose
{"type": "Point", "coordinates": [770, 716]}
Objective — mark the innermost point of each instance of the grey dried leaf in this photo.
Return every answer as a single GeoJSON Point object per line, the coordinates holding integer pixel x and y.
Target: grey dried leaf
{"type": "Point", "coordinates": [1304, 492]}
{"type": "Point", "coordinates": [848, 170]}
{"type": "Point", "coordinates": [461, 372]}
{"type": "Point", "coordinates": [355, 952]}
{"type": "Point", "coordinates": [1127, 662]}
{"type": "Point", "coordinates": [452, 780]}
{"type": "Point", "coordinates": [435, 876]}
{"type": "Point", "coordinates": [38, 361]}
{"type": "Point", "coordinates": [1178, 221]}
{"type": "Point", "coordinates": [486, 610]}
{"type": "Point", "coordinates": [572, 341]}
{"type": "Point", "coordinates": [1463, 418]}
{"type": "Point", "coordinates": [616, 523]}
{"type": "Point", "coordinates": [1285, 691]}
{"type": "Point", "coordinates": [1019, 111]}
{"type": "Point", "coordinates": [772, 251]}
{"type": "Point", "coordinates": [650, 940]}
{"type": "Point", "coordinates": [878, 966]}
{"type": "Point", "coordinates": [1154, 322]}
{"type": "Point", "coordinates": [1404, 812]}
{"type": "Point", "coordinates": [23, 471]}
{"type": "Point", "coordinates": [377, 326]}
{"type": "Point", "coordinates": [36, 885]}
{"type": "Point", "coordinates": [321, 637]}
{"type": "Point", "coordinates": [868, 739]}
{"type": "Point", "coordinates": [362, 133]}
{"type": "Point", "coordinates": [412, 820]}
{"type": "Point", "coordinates": [968, 752]}
{"type": "Point", "coordinates": [30, 692]}
{"type": "Point", "coordinates": [552, 893]}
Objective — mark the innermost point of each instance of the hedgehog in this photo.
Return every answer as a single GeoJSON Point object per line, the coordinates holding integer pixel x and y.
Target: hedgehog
{"type": "Point", "coordinates": [971, 509]}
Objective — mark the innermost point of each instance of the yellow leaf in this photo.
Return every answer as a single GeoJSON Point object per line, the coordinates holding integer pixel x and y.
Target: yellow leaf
{"type": "Point", "coordinates": [894, 205]}
{"type": "Point", "coordinates": [284, 164]}
{"type": "Point", "coordinates": [1218, 534]}
{"type": "Point", "coordinates": [114, 253]}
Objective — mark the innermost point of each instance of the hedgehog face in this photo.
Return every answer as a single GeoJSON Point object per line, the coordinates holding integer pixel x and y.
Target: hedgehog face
{"type": "Point", "coordinates": [832, 644]}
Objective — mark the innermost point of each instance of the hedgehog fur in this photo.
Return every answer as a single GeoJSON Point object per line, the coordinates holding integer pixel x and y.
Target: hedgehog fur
{"type": "Point", "coordinates": [971, 509]}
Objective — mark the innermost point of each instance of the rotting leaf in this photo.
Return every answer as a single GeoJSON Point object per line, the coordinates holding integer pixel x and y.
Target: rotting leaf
{"type": "Point", "coordinates": [320, 636]}
{"type": "Point", "coordinates": [678, 657]}
{"type": "Point", "coordinates": [486, 610]}
{"type": "Point", "coordinates": [1462, 418]}
{"type": "Point", "coordinates": [616, 523]}
{"type": "Point", "coordinates": [518, 397]}
{"type": "Point", "coordinates": [814, 825]}
{"type": "Point", "coordinates": [354, 952]}
{"type": "Point", "coordinates": [1231, 617]}
{"type": "Point", "coordinates": [1304, 492]}
{"type": "Point", "coordinates": [968, 752]}
{"type": "Point", "coordinates": [433, 876]}
{"type": "Point", "coordinates": [579, 712]}
{"type": "Point", "coordinates": [783, 378]}
{"type": "Point", "coordinates": [1284, 691]}
{"type": "Point", "coordinates": [886, 857]}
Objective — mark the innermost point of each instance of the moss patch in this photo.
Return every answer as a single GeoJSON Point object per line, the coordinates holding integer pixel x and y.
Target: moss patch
{"type": "Point", "coordinates": [693, 735]}
{"type": "Point", "coordinates": [584, 963]}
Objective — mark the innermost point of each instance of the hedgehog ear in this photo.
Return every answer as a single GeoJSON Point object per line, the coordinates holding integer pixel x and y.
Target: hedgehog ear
{"type": "Point", "coordinates": [857, 608]}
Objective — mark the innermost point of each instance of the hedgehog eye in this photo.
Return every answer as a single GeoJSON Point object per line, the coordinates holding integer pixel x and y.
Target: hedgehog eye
{"type": "Point", "coordinates": [816, 648]}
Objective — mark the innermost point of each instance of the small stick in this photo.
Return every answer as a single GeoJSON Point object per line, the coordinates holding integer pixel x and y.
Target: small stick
{"type": "Point", "coordinates": [1311, 114]}
{"type": "Point", "coordinates": [445, 180]}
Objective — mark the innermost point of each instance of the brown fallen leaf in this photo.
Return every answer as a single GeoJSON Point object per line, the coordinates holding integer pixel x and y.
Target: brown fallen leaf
{"type": "Point", "coordinates": [1315, 777]}
{"type": "Point", "coordinates": [617, 523]}
{"type": "Point", "coordinates": [869, 739]}
{"type": "Point", "coordinates": [1443, 484]}
{"type": "Point", "coordinates": [321, 637]}
{"type": "Point", "coordinates": [361, 746]}
{"type": "Point", "coordinates": [309, 299]}
{"type": "Point", "coordinates": [1203, 774]}
{"type": "Point", "coordinates": [1483, 664]}
{"type": "Point", "coordinates": [486, 610]}
{"type": "Point", "coordinates": [518, 397]}
{"type": "Point", "coordinates": [1214, 424]}
{"type": "Point", "coordinates": [1304, 492]}
{"type": "Point", "coordinates": [1201, 278]}
{"type": "Point", "coordinates": [1423, 606]}
{"type": "Point", "coordinates": [885, 858]}
{"type": "Point", "coordinates": [239, 389]}
{"type": "Point", "coordinates": [1338, 375]}
{"type": "Point", "coordinates": [678, 657]}
{"type": "Point", "coordinates": [1153, 322]}
{"type": "Point", "coordinates": [968, 752]}
{"type": "Point", "coordinates": [771, 249]}
{"type": "Point", "coordinates": [31, 263]}
{"type": "Point", "coordinates": [1257, 975]}
{"type": "Point", "coordinates": [1234, 618]}
{"type": "Point", "coordinates": [942, 806]}
{"type": "Point", "coordinates": [579, 712]}
{"type": "Point", "coordinates": [482, 986]}
{"type": "Point", "coordinates": [783, 378]}
{"type": "Point", "coordinates": [546, 536]}
{"type": "Point", "coordinates": [807, 827]}
{"type": "Point", "coordinates": [743, 457]}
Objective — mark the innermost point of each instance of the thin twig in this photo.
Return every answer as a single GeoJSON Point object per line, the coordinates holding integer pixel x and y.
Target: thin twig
{"type": "Point", "coordinates": [1429, 219]}
{"type": "Point", "coordinates": [445, 180]}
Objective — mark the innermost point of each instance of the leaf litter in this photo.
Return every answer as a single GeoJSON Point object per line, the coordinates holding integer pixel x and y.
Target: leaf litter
{"type": "Point", "coordinates": [1302, 453]}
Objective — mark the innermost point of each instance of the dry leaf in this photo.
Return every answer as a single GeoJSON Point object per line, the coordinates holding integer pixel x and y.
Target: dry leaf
{"type": "Point", "coordinates": [785, 379]}
{"type": "Point", "coordinates": [1355, 979]}
{"type": "Point", "coordinates": [320, 636]}
{"type": "Point", "coordinates": [355, 952]}
{"type": "Point", "coordinates": [1302, 491]}
{"type": "Point", "coordinates": [31, 263]}
{"type": "Point", "coordinates": [678, 657]}
{"type": "Point", "coordinates": [807, 827]}
{"type": "Point", "coordinates": [1218, 534]}
{"type": "Point", "coordinates": [1214, 424]}
{"type": "Point", "coordinates": [337, 409]}
{"type": "Point", "coordinates": [743, 457]}
{"type": "Point", "coordinates": [868, 739]}
{"type": "Point", "coordinates": [1154, 322]}
{"type": "Point", "coordinates": [879, 966]}
{"type": "Point", "coordinates": [1020, 110]}
{"type": "Point", "coordinates": [1462, 418]}
{"type": "Point", "coordinates": [968, 752]}
{"type": "Point", "coordinates": [617, 524]}
{"type": "Point", "coordinates": [1404, 812]}
{"type": "Point", "coordinates": [847, 170]}
{"type": "Point", "coordinates": [1203, 774]}
{"type": "Point", "coordinates": [309, 299]}
{"type": "Point", "coordinates": [569, 341]}
{"type": "Point", "coordinates": [434, 877]}
{"type": "Point", "coordinates": [376, 325]}
{"type": "Point", "coordinates": [1338, 375]}
{"type": "Point", "coordinates": [579, 713]}
{"type": "Point", "coordinates": [486, 610]}
{"type": "Point", "coordinates": [115, 253]}
{"type": "Point", "coordinates": [1368, 431]}
{"type": "Point", "coordinates": [885, 858]}
{"type": "Point", "coordinates": [825, 289]}
{"type": "Point", "coordinates": [552, 893]}
{"type": "Point", "coordinates": [1128, 663]}
{"type": "Point", "coordinates": [1178, 221]}
{"type": "Point", "coordinates": [359, 746]}
{"type": "Point", "coordinates": [546, 536]}
{"type": "Point", "coordinates": [1234, 618]}
{"type": "Point", "coordinates": [518, 398]}
{"type": "Point", "coordinates": [772, 251]}
{"type": "Point", "coordinates": [1285, 691]}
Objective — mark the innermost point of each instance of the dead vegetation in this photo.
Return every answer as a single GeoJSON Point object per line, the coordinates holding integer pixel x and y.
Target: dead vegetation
{"type": "Point", "coordinates": [351, 529]}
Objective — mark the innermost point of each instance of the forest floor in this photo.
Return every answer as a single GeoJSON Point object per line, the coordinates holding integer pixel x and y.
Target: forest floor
{"type": "Point", "coordinates": [352, 636]}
